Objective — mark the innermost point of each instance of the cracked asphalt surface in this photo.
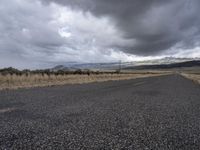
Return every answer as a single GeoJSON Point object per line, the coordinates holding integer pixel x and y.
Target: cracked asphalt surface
{"type": "Point", "coordinates": [150, 113]}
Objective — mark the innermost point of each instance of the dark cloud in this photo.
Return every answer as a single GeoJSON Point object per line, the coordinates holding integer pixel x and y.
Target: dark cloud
{"type": "Point", "coordinates": [36, 34]}
{"type": "Point", "coordinates": [152, 25]}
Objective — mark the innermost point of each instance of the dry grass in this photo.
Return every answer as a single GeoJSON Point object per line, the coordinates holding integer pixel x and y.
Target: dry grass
{"type": "Point", "coordinates": [192, 76]}
{"type": "Point", "coordinates": [14, 81]}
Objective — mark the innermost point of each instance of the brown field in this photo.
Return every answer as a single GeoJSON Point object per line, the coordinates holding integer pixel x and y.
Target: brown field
{"type": "Point", "coordinates": [36, 80]}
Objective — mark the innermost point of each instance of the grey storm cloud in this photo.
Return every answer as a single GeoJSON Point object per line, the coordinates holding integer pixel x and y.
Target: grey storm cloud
{"type": "Point", "coordinates": [151, 26]}
{"type": "Point", "coordinates": [34, 35]}
{"type": "Point", "coordinates": [43, 33]}
{"type": "Point", "coordinates": [26, 34]}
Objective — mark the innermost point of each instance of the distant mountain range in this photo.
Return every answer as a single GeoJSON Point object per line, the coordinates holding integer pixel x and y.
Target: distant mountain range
{"type": "Point", "coordinates": [195, 63]}
{"type": "Point", "coordinates": [165, 63]}
{"type": "Point", "coordinates": [166, 60]}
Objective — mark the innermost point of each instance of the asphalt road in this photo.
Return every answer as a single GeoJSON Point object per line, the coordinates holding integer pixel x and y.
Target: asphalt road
{"type": "Point", "coordinates": [151, 113]}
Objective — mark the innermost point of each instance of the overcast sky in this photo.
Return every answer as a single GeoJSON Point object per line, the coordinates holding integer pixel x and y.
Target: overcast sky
{"type": "Point", "coordinates": [44, 33]}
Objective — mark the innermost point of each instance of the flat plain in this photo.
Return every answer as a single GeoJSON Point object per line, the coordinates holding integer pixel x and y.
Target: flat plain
{"type": "Point", "coordinates": [148, 113]}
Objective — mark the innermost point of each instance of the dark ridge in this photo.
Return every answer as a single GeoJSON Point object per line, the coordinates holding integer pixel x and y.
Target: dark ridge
{"type": "Point", "coordinates": [195, 63]}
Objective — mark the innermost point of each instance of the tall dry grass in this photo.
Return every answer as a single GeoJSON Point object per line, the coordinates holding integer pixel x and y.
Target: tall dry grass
{"type": "Point", "coordinates": [192, 76]}
{"type": "Point", "coordinates": [35, 80]}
